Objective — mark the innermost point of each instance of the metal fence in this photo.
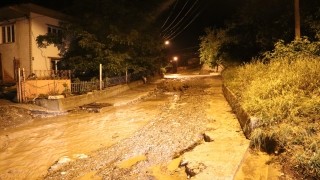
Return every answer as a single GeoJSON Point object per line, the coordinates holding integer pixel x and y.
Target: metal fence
{"type": "Point", "coordinates": [87, 86]}
{"type": "Point", "coordinates": [50, 74]}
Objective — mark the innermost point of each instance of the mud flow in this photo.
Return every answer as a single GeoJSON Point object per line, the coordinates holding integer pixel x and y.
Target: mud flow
{"type": "Point", "coordinates": [147, 139]}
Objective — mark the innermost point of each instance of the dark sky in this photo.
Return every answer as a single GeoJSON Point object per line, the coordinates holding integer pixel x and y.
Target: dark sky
{"type": "Point", "coordinates": [212, 13]}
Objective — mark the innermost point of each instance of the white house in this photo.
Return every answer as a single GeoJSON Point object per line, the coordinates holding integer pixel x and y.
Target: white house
{"type": "Point", "coordinates": [19, 27]}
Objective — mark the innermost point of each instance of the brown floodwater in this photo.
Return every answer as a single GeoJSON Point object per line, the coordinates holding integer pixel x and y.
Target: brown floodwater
{"type": "Point", "coordinates": [28, 152]}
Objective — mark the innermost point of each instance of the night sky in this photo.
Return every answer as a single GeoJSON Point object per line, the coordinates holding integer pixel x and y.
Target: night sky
{"type": "Point", "coordinates": [205, 13]}
{"type": "Point", "coordinates": [213, 14]}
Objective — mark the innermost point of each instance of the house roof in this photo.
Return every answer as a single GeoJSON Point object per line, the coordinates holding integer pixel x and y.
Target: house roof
{"type": "Point", "coordinates": [24, 10]}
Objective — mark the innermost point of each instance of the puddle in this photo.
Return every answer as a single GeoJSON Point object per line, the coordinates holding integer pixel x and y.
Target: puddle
{"type": "Point", "coordinates": [174, 164]}
{"type": "Point", "coordinates": [130, 162]}
{"type": "Point", "coordinates": [172, 171]}
{"type": "Point", "coordinates": [95, 107]}
{"type": "Point", "coordinates": [89, 176]}
{"type": "Point", "coordinates": [255, 166]}
{"type": "Point", "coordinates": [159, 174]}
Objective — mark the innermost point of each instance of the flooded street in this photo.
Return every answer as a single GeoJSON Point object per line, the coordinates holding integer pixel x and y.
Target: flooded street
{"type": "Point", "coordinates": [28, 152]}
{"type": "Point", "coordinates": [148, 139]}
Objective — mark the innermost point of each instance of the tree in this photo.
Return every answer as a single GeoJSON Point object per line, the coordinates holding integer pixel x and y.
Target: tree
{"type": "Point", "coordinates": [119, 34]}
{"type": "Point", "coordinates": [259, 24]}
{"type": "Point", "coordinates": [210, 46]}
{"type": "Point", "coordinates": [297, 19]}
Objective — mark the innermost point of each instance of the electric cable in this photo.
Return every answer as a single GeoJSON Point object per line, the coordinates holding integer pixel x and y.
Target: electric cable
{"type": "Point", "coordinates": [170, 14]}
{"type": "Point", "coordinates": [168, 33]}
{"type": "Point", "coordinates": [171, 37]}
{"type": "Point", "coordinates": [176, 16]}
{"type": "Point", "coordinates": [184, 16]}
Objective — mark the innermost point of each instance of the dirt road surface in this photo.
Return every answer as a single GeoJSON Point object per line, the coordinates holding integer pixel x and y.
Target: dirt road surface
{"type": "Point", "coordinates": [154, 138]}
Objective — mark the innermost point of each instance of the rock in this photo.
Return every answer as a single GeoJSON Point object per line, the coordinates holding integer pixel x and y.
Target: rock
{"type": "Point", "coordinates": [56, 97]}
{"type": "Point", "coordinates": [59, 163]}
{"type": "Point", "coordinates": [80, 156]}
{"type": "Point", "coordinates": [208, 136]}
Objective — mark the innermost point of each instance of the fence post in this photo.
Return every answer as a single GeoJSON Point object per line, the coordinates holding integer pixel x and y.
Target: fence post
{"type": "Point", "coordinates": [100, 76]}
{"type": "Point", "coordinates": [126, 75]}
{"type": "Point", "coordinates": [24, 86]}
{"type": "Point", "coordinates": [19, 86]}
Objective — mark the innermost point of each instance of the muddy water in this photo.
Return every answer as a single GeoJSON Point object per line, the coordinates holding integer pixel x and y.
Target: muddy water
{"type": "Point", "coordinates": [28, 152]}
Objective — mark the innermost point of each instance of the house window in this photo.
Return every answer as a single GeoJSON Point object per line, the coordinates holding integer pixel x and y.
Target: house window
{"type": "Point", "coordinates": [52, 29]}
{"type": "Point", "coordinates": [8, 33]}
{"type": "Point", "coordinates": [55, 33]}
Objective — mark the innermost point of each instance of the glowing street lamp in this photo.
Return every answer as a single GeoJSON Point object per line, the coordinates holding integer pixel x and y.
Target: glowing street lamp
{"type": "Point", "coordinates": [166, 42]}
{"type": "Point", "coordinates": [175, 64]}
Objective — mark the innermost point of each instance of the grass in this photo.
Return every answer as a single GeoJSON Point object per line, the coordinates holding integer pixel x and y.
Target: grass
{"type": "Point", "coordinates": [285, 96]}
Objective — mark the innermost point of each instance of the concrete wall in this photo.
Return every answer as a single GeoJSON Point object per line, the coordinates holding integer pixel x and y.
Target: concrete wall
{"type": "Point", "coordinates": [247, 122]}
{"type": "Point", "coordinates": [79, 100]}
{"type": "Point", "coordinates": [19, 49]}
{"type": "Point", "coordinates": [41, 56]}
{"type": "Point", "coordinates": [33, 88]}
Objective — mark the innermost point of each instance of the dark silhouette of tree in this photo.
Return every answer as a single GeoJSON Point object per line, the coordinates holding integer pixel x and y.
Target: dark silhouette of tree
{"type": "Point", "coordinates": [259, 24]}
{"type": "Point", "coordinates": [297, 18]}
{"type": "Point", "coordinates": [119, 34]}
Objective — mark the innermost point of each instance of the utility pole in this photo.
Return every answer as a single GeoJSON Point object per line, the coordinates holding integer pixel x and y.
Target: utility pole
{"type": "Point", "coordinates": [297, 19]}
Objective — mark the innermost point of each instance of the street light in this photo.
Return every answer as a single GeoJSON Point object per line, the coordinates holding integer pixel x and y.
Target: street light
{"type": "Point", "coordinates": [175, 64]}
{"type": "Point", "coordinates": [166, 42]}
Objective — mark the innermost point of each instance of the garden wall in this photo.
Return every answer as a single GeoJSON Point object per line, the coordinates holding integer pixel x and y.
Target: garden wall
{"type": "Point", "coordinates": [71, 102]}
{"type": "Point", "coordinates": [33, 88]}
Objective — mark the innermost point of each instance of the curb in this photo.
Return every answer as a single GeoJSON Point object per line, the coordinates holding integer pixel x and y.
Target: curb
{"type": "Point", "coordinates": [248, 123]}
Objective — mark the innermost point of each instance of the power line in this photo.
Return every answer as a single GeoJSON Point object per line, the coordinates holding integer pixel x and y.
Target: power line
{"type": "Point", "coordinates": [170, 31]}
{"type": "Point", "coordinates": [184, 16]}
{"type": "Point", "coordinates": [176, 16]}
{"type": "Point", "coordinates": [171, 36]}
{"type": "Point", "coordinates": [170, 14]}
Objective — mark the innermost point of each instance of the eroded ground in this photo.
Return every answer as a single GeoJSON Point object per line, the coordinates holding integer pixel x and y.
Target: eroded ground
{"type": "Point", "coordinates": [144, 140]}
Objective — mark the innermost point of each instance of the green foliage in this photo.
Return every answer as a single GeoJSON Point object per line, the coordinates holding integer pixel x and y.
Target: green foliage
{"type": "Point", "coordinates": [210, 46]}
{"type": "Point", "coordinates": [66, 89]}
{"type": "Point", "coordinates": [44, 96]}
{"type": "Point", "coordinates": [285, 96]}
{"type": "Point", "coordinates": [116, 34]}
{"type": "Point", "coordinates": [298, 49]}
{"type": "Point", "coordinates": [76, 80]}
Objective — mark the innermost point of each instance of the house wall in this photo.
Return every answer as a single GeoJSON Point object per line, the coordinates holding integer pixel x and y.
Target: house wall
{"type": "Point", "coordinates": [40, 56]}
{"type": "Point", "coordinates": [25, 47]}
{"type": "Point", "coordinates": [18, 49]}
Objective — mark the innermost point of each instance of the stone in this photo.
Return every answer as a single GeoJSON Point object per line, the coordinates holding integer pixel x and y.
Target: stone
{"type": "Point", "coordinates": [56, 97]}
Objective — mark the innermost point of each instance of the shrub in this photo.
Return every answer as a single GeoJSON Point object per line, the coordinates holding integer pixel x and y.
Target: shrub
{"type": "Point", "coordinates": [285, 95]}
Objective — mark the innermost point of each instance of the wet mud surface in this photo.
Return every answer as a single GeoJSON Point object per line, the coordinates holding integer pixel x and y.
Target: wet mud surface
{"type": "Point", "coordinates": [176, 128]}
{"type": "Point", "coordinates": [160, 128]}
{"type": "Point", "coordinates": [143, 140]}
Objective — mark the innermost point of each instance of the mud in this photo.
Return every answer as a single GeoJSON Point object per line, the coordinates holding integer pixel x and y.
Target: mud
{"type": "Point", "coordinates": [144, 140]}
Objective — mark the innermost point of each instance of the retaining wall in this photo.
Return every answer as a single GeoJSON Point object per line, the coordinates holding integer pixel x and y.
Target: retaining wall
{"type": "Point", "coordinates": [247, 122]}
{"type": "Point", "coordinates": [71, 102]}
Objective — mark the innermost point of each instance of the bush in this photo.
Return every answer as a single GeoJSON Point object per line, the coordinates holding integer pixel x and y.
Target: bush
{"type": "Point", "coordinates": [285, 95]}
